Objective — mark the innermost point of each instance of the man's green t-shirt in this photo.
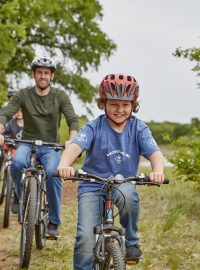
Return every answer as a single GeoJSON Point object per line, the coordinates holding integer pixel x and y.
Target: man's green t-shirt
{"type": "Point", "coordinates": [42, 114]}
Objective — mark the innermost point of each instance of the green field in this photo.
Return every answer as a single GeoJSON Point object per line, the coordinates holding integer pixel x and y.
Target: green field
{"type": "Point", "coordinates": [169, 229]}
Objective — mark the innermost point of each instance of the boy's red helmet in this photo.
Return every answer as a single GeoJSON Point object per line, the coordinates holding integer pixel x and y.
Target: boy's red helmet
{"type": "Point", "coordinates": [119, 86]}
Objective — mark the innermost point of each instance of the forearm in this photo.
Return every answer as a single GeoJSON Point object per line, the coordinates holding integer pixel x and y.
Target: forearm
{"type": "Point", "coordinates": [69, 155]}
{"type": "Point", "coordinates": [1, 128]}
{"type": "Point", "coordinates": [72, 135]}
{"type": "Point", "coordinates": [157, 162]}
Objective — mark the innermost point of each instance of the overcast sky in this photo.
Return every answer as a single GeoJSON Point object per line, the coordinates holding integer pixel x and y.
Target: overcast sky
{"type": "Point", "coordinates": [147, 33]}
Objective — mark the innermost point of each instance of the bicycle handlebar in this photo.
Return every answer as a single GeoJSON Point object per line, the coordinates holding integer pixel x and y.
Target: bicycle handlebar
{"type": "Point", "coordinates": [56, 146]}
{"type": "Point", "coordinates": [141, 179]}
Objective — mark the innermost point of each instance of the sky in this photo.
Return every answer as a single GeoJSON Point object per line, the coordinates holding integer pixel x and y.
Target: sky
{"type": "Point", "coordinates": [146, 34]}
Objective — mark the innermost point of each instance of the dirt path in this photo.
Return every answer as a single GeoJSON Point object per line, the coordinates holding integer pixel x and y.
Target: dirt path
{"type": "Point", "coordinates": [10, 238]}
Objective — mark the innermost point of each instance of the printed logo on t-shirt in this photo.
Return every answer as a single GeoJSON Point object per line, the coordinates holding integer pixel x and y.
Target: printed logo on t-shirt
{"type": "Point", "coordinates": [118, 155]}
{"type": "Point", "coordinates": [118, 159]}
{"type": "Point", "coordinates": [19, 135]}
{"type": "Point", "coordinates": [82, 137]}
{"type": "Point", "coordinates": [153, 142]}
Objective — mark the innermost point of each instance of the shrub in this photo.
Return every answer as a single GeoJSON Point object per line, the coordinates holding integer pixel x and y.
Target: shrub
{"type": "Point", "coordinates": [187, 157]}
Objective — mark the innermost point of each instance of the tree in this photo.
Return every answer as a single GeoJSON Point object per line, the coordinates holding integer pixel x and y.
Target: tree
{"type": "Point", "coordinates": [67, 30]}
{"type": "Point", "coordinates": [193, 54]}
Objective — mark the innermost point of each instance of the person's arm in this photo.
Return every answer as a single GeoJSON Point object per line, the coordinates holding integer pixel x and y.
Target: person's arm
{"type": "Point", "coordinates": [1, 136]}
{"type": "Point", "coordinates": [1, 128]}
{"type": "Point", "coordinates": [68, 111]}
{"type": "Point", "coordinates": [157, 165]}
{"type": "Point", "coordinates": [72, 135]}
{"type": "Point", "coordinates": [68, 157]}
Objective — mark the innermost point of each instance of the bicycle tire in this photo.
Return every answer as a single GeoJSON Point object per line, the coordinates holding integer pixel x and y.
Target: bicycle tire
{"type": "Point", "coordinates": [115, 258]}
{"type": "Point", "coordinates": [2, 182]}
{"type": "Point", "coordinates": [29, 220]}
{"type": "Point", "coordinates": [9, 191]}
{"type": "Point", "coordinates": [41, 227]}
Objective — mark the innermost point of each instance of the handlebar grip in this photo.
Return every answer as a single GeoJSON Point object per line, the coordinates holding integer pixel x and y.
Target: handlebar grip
{"type": "Point", "coordinates": [166, 180]}
{"type": "Point", "coordinates": [54, 174]}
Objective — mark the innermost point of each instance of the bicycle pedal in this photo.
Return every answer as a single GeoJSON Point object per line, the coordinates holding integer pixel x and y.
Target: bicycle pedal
{"type": "Point", "coordinates": [51, 237]}
{"type": "Point", "coordinates": [132, 262]}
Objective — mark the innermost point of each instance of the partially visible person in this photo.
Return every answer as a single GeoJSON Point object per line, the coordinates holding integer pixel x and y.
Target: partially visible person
{"type": "Point", "coordinates": [113, 143]}
{"type": "Point", "coordinates": [42, 107]}
{"type": "Point", "coordinates": [11, 93]}
{"type": "Point", "coordinates": [14, 127]}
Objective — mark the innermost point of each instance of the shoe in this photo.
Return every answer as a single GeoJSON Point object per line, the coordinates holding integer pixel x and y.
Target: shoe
{"type": "Point", "coordinates": [15, 205]}
{"type": "Point", "coordinates": [133, 254]}
{"type": "Point", "coordinates": [52, 231]}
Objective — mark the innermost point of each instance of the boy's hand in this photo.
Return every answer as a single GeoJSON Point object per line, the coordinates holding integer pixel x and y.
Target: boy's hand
{"type": "Point", "coordinates": [66, 172]}
{"type": "Point", "coordinates": [157, 177]}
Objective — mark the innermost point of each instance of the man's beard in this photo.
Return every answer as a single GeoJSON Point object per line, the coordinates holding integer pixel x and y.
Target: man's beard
{"type": "Point", "coordinates": [43, 88]}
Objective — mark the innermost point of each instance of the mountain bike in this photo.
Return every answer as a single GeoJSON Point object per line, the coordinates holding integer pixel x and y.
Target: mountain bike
{"type": "Point", "coordinates": [7, 191]}
{"type": "Point", "coordinates": [33, 204]}
{"type": "Point", "coordinates": [109, 251]}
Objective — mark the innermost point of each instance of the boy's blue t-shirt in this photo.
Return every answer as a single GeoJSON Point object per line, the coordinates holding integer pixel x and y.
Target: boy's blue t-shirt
{"type": "Point", "coordinates": [109, 153]}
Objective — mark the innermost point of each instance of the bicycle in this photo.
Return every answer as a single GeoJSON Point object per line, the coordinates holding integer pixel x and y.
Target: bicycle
{"type": "Point", "coordinates": [33, 205]}
{"type": "Point", "coordinates": [7, 191]}
{"type": "Point", "coordinates": [109, 251]}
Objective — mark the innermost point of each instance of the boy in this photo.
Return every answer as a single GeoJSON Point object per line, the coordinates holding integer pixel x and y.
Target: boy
{"type": "Point", "coordinates": [14, 127]}
{"type": "Point", "coordinates": [114, 142]}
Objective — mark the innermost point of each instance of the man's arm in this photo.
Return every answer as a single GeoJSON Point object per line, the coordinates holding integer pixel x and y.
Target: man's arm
{"type": "Point", "coordinates": [72, 135]}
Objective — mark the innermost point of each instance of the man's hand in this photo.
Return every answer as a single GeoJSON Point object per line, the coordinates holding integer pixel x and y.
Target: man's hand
{"type": "Point", "coordinates": [67, 143]}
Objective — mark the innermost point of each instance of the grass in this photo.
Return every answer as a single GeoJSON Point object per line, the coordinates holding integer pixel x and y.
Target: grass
{"type": "Point", "coordinates": [168, 228]}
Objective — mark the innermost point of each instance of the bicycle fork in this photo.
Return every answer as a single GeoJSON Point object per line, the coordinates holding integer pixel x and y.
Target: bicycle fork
{"type": "Point", "coordinates": [107, 231]}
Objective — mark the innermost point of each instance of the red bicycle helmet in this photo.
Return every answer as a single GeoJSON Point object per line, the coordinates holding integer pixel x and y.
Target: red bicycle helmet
{"type": "Point", "coordinates": [119, 86]}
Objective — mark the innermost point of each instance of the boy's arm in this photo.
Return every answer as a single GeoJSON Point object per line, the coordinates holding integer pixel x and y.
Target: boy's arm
{"type": "Point", "coordinates": [157, 165]}
{"type": "Point", "coordinates": [68, 157]}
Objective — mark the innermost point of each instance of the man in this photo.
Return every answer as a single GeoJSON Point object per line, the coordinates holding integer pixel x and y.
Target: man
{"type": "Point", "coordinates": [42, 107]}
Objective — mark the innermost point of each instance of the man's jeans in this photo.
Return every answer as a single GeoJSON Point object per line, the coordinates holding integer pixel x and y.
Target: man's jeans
{"type": "Point", "coordinates": [89, 217]}
{"type": "Point", "coordinates": [49, 159]}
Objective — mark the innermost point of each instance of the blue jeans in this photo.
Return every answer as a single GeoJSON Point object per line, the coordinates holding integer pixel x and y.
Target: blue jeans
{"type": "Point", "coordinates": [89, 217]}
{"type": "Point", "coordinates": [49, 158]}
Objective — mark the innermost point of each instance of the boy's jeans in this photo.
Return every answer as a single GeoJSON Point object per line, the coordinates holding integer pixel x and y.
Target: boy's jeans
{"type": "Point", "coordinates": [89, 217]}
{"type": "Point", "coordinates": [49, 159]}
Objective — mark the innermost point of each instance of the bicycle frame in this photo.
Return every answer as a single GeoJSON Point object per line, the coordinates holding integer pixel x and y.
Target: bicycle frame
{"type": "Point", "coordinates": [35, 170]}
{"type": "Point", "coordinates": [107, 230]}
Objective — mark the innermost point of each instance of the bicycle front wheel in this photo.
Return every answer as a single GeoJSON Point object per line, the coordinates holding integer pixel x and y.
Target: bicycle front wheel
{"type": "Point", "coordinates": [9, 191]}
{"type": "Point", "coordinates": [29, 220]}
{"type": "Point", "coordinates": [115, 258]}
{"type": "Point", "coordinates": [41, 227]}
